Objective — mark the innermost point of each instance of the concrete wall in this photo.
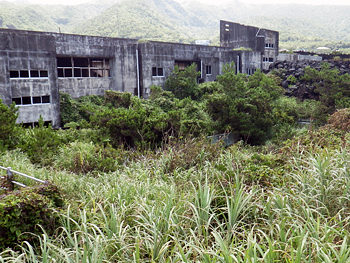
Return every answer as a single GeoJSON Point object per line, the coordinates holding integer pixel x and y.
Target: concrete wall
{"type": "Point", "coordinates": [296, 57]}
{"type": "Point", "coordinates": [26, 52]}
{"type": "Point", "coordinates": [131, 64]}
{"type": "Point", "coordinates": [121, 54]}
{"type": "Point", "coordinates": [165, 55]}
{"type": "Point", "coordinates": [238, 36]}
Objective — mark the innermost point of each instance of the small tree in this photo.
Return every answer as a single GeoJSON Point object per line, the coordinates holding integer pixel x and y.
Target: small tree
{"type": "Point", "coordinates": [183, 83]}
{"type": "Point", "coordinates": [244, 105]}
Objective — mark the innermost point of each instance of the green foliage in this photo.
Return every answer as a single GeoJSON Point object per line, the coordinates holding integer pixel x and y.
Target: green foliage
{"type": "Point", "coordinates": [333, 88]}
{"type": "Point", "coordinates": [183, 83]}
{"type": "Point", "coordinates": [8, 117]}
{"type": "Point", "coordinates": [183, 154]}
{"type": "Point", "coordinates": [39, 143]}
{"type": "Point", "coordinates": [244, 105]}
{"type": "Point", "coordinates": [264, 169]}
{"type": "Point", "coordinates": [292, 79]}
{"type": "Point", "coordinates": [68, 110]}
{"type": "Point", "coordinates": [78, 112]}
{"type": "Point", "coordinates": [138, 124]}
{"type": "Point", "coordinates": [23, 213]}
{"type": "Point", "coordinates": [118, 99]}
{"type": "Point", "coordinates": [82, 158]}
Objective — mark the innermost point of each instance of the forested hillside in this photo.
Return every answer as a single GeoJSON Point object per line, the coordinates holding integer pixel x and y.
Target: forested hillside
{"type": "Point", "coordinates": [300, 26]}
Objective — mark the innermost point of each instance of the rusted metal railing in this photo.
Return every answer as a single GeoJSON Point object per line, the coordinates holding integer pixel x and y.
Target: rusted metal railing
{"type": "Point", "coordinates": [11, 182]}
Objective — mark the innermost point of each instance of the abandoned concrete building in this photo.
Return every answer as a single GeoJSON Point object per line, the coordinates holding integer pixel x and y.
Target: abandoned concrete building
{"type": "Point", "coordinates": [36, 66]}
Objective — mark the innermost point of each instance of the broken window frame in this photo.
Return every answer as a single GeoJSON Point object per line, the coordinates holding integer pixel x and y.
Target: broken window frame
{"type": "Point", "coordinates": [93, 68]}
{"type": "Point", "coordinates": [29, 100]}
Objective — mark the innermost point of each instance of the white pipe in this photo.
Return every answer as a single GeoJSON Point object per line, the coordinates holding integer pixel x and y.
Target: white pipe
{"type": "Point", "coordinates": [138, 73]}
{"type": "Point", "coordinates": [201, 69]}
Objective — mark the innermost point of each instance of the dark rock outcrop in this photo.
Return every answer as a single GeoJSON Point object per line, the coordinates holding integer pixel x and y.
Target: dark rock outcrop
{"type": "Point", "coordinates": [291, 73]}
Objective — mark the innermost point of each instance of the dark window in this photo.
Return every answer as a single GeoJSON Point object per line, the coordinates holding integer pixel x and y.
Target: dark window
{"type": "Point", "coordinates": [43, 74]}
{"type": "Point", "coordinates": [82, 67]}
{"type": "Point", "coordinates": [157, 72]}
{"type": "Point", "coordinates": [77, 72]}
{"type": "Point", "coordinates": [60, 72]}
{"type": "Point", "coordinates": [36, 100]}
{"type": "Point", "coordinates": [24, 74]}
{"type": "Point", "coordinates": [208, 69]}
{"type": "Point", "coordinates": [85, 73]}
{"type": "Point", "coordinates": [81, 62]}
{"type": "Point", "coordinates": [26, 100]}
{"type": "Point", "coordinates": [270, 59]}
{"type": "Point", "coordinates": [34, 73]}
{"type": "Point", "coordinates": [45, 99]}
{"type": "Point", "coordinates": [68, 73]}
{"type": "Point", "coordinates": [14, 74]}
{"type": "Point", "coordinates": [64, 62]}
{"type": "Point", "coordinates": [18, 101]}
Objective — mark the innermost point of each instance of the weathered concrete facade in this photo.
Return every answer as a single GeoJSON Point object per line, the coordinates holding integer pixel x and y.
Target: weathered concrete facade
{"type": "Point", "coordinates": [36, 66]}
{"type": "Point", "coordinates": [28, 75]}
{"type": "Point", "coordinates": [239, 36]}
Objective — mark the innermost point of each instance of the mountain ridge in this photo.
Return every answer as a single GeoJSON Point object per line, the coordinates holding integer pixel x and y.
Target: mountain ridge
{"type": "Point", "coordinates": [300, 26]}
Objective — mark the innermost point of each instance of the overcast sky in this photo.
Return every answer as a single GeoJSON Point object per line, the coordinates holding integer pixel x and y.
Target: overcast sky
{"type": "Point", "coordinates": [309, 2]}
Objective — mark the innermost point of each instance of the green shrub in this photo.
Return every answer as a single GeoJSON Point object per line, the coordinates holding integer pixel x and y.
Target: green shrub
{"type": "Point", "coordinates": [22, 212]}
{"type": "Point", "coordinates": [183, 83]}
{"type": "Point", "coordinates": [39, 143]}
{"type": "Point", "coordinates": [8, 116]}
{"type": "Point", "coordinates": [81, 157]}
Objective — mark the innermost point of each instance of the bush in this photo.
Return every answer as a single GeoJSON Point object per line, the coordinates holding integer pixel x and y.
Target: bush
{"type": "Point", "coordinates": [22, 212]}
{"type": "Point", "coordinates": [8, 117]}
{"type": "Point", "coordinates": [39, 143]}
{"type": "Point", "coordinates": [81, 157]}
{"type": "Point", "coordinates": [183, 83]}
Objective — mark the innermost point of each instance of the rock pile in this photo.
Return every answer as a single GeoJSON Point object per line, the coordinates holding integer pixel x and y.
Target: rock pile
{"type": "Point", "coordinates": [291, 73]}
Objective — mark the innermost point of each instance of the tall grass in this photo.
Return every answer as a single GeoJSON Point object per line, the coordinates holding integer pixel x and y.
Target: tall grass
{"type": "Point", "coordinates": [200, 214]}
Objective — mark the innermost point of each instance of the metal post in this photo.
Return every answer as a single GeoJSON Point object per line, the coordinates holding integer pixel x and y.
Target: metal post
{"type": "Point", "coordinates": [9, 178]}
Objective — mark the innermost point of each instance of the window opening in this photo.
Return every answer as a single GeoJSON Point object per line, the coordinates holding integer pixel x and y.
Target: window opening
{"type": "Point", "coordinates": [24, 74]}
{"type": "Point", "coordinates": [44, 74]}
{"type": "Point", "coordinates": [17, 101]}
{"type": "Point", "coordinates": [34, 74]}
{"type": "Point", "coordinates": [82, 67]}
{"type": "Point", "coordinates": [14, 74]}
{"type": "Point", "coordinates": [45, 99]}
{"type": "Point", "coordinates": [28, 73]}
{"type": "Point", "coordinates": [26, 100]}
{"type": "Point", "coordinates": [208, 69]}
{"type": "Point", "coordinates": [31, 100]}
{"type": "Point", "coordinates": [157, 72]}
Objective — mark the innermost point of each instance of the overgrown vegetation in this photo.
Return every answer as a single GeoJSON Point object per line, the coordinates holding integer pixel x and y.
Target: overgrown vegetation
{"type": "Point", "coordinates": [142, 183]}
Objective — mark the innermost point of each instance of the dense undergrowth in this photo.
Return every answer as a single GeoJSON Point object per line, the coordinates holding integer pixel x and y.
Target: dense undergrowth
{"type": "Point", "coordinates": [235, 204]}
{"type": "Point", "coordinates": [179, 199]}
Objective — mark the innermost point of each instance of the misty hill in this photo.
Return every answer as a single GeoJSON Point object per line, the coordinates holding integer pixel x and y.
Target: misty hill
{"type": "Point", "coordinates": [300, 26]}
